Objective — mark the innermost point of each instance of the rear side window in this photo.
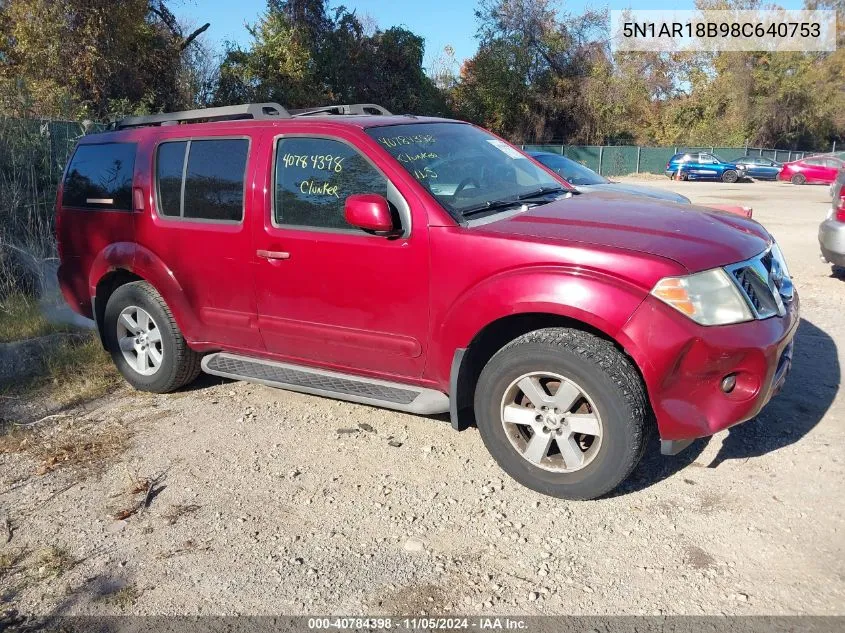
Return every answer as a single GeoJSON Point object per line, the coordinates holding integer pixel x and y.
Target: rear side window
{"type": "Point", "coordinates": [202, 179]}
{"type": "Point", "coordinates": [100, 177]}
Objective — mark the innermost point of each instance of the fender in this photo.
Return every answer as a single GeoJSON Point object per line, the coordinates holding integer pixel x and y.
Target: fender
{"type": "Point", "coordinates": [602, 302]}
{"type": "Point", "coordinates": [147, 265]}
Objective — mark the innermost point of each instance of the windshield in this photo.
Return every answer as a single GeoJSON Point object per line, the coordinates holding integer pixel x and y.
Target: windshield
{"type": "Point", "coordinates": [572, 172]}
{"type": "Point", "coordinates": [462, 166]}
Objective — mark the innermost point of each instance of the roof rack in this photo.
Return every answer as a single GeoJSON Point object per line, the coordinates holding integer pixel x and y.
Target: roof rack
{"type": "Point", "coordinates": [348, 108]}
{"type": "Point", "coordinates": [254, 111]}
{"type": "Point", "coordinates": [246, 111]}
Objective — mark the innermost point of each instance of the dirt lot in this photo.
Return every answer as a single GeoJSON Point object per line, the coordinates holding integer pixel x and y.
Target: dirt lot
{"type": "Point", "coordinates": [255, 500]}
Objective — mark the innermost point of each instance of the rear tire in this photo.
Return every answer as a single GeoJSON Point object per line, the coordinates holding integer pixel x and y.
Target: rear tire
{"type": "Point", "coordinates": [798, 179]}
{"type": "Point", "coordinates": [730, 176]}
{"type": "Point", "coordinates": [144, 341]}
{"type": "Point", "coordinates": [610, 411]}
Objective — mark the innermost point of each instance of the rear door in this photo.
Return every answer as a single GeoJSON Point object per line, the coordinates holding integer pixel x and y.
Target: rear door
{"type": "Point", "coordinates": [199, 226]}
{"type": "Point", "coordinates": [814, 169]}
{"type": "Point", "coordinates": [329, 293]}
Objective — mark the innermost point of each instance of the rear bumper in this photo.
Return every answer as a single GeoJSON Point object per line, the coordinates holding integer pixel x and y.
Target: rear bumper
{"type": "Point", "coordinates": [74, 288]}
{"type": "Point", "coordinates": [683, 365]}
{"type": "Point", "coordinates": [832, 241]}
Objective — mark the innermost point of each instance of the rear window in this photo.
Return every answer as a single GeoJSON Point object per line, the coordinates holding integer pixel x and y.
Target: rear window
{"type": "Point", "coordinates": [100, 177]}
{"type": "Point", "coordinates": [213, 183]}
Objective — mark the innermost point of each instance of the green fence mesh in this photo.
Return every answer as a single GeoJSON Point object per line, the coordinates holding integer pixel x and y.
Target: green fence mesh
{"type": "Point", "coordinates": [629, 159]}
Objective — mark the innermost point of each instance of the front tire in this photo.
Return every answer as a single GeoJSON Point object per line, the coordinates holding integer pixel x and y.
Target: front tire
{"type": "Point", "coordinates": [563, 412]}
{"type": "Point", "coordinates": [144, 341]}
{"type": "Point", "coordinates": [730, 176]}
{"type": "Point", "coordinates": [798, 179]}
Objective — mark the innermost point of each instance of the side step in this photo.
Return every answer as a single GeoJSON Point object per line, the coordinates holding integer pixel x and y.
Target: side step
{"type": "Point", "coordinates": [318, 382]}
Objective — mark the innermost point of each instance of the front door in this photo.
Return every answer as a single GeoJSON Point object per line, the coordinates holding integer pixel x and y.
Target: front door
{"type": "Point", "coordinates": [329, 293]}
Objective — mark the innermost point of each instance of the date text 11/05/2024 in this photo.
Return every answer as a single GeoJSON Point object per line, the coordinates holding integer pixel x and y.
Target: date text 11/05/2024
{"type": "Point", "coordinates": [417, 624]}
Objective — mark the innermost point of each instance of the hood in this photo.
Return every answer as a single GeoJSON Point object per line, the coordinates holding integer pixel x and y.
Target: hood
{"type": "Point", "coordinates": [695, 237]}
{"type": "Point", "coordinates": [637, 190]}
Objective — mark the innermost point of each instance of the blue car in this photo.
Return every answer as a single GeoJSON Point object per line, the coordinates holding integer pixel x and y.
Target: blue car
{"type": "Point", "coordinates": [760, 168]}
{"type": "Point", "coordinates": [704, 166]}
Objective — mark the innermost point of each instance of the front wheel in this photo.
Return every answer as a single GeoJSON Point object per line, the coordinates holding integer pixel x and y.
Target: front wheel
{"type": "Point", "coordinates": [144, 341]}
{"type": "Point", "coordinates": [563, 412]}
{"type": "Point", "coordinates": [730, 176]}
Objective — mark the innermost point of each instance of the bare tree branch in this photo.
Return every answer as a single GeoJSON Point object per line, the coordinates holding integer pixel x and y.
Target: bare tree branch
{"type": "Point", "coordinates": [187, 42]}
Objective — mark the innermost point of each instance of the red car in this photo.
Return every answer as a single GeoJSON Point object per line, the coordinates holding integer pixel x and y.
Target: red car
{"type": "Point", "coordinates": [424, 265]}
{"type": "Point", "coordinates": [813, 170]}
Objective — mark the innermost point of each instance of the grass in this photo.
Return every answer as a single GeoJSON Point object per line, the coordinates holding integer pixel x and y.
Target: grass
{"type": "Point", "coordinates": [74, 372]}
{"type": "Point", "coordinates": [21, 318]}
{"type": "Point", "coordinates": [79, 372]}
{"type": "Point", "coordinates": [54, 561]}
{"type": "Point", "coordinates": [124, 597]}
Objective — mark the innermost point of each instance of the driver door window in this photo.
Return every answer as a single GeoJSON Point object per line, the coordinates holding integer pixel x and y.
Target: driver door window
{"type": "Point", "coordinates": [707, 159]}
{"type": "Point", "coordinates": [314, 176]}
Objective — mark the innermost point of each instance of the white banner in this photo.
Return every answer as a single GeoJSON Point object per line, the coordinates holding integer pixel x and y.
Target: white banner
{"type": "Point", "coordinates": [722, 30]}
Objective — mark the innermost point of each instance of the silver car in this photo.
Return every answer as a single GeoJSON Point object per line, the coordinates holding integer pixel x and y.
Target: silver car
{"type": "Point", "coordinates": [832, 230]}
{"type": "Point", "coordinates": [586, 179]}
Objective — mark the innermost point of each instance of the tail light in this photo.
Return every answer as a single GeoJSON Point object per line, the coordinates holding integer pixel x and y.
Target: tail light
{"type": "Point", "coordinates": [839, 205]}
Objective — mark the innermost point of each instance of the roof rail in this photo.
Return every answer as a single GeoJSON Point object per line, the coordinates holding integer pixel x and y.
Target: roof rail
{"type": "Point", "coordinates": [255, 111]}
{"type": "Point", "coordinates": [348, 108]}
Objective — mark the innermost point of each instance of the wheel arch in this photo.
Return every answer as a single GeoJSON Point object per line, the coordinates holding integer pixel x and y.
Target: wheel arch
{"type": "Point", "coordinates": [127, 262]}
{"type": "Point", "coordinates": [468, 362]}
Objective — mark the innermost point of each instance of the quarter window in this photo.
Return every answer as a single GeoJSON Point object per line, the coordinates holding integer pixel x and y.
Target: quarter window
{"type": "Point", "coordinates": [313, 178]}
{"type": "Point", "coordinates": [170, 165]}
{"type": "Point", "coordinates": [100, 177]}
{"type": "Point", "coordinates": [202, 179]}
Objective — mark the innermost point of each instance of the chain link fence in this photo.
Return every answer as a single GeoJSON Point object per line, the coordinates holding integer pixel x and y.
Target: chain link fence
{"type": "Point", "coordinates": [620, 160]}
{"type": "Point", "coordinates": [33, 154]}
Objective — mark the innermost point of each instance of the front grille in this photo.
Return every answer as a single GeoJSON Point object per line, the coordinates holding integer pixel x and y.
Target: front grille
{"type": "Point", "coordinates": [757, 291]}
{"type": "Point", "coordinates": [764, 284]}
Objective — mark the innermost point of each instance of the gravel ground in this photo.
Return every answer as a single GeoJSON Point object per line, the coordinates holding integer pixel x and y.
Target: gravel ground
{"type": "Point", "coordinates": [268, 502]}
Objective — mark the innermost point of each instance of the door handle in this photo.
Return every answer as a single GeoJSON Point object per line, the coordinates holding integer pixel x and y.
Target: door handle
{"type": "Point", "coordinates": [272, 254]}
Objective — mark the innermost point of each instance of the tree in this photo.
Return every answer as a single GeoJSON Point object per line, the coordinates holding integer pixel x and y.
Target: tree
{"type": "Point", "coordinates": [303, 55]}
{"type": "Point", "coordinates": [72, 58]}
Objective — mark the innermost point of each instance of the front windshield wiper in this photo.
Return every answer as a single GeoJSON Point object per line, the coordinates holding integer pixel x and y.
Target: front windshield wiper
{"type": "Point", "coordinates": [542, 191]}
{"type": "Point", "coordinates": [533, 196]}
{"type": "Point", "coordinates": [490, 205]}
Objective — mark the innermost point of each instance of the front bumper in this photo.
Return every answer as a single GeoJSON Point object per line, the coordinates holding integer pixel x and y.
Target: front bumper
{"type": "Point", "coordinates": [683, 365]}
{"type": "Point", "coordinates": [832, 241]}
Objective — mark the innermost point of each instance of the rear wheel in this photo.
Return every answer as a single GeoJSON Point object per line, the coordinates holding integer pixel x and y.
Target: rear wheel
{"type": "Point", "coordinates": [730, 176]}
{"type": "Point", "coordinates": [563, 412]}
{"type": "Point", "coordinates": [145, 342]}
{"type": "Point", "coordinates": [798, 179]}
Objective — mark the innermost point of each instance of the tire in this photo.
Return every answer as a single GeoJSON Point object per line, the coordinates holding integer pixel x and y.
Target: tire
{"type": "Point", "coordinates": [729, 176]}
{"type": "Point", "coordinates": [798, 179]}
{"type": "Point", "coordinates": [177, 363]}
{"type": "Point", "coordinates": [611, 392]}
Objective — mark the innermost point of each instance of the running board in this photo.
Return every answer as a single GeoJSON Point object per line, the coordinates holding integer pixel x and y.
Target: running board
{"type": "Point", "coordinates": [318, 382]}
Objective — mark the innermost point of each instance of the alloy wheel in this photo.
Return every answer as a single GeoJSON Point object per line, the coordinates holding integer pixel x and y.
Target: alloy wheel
{"type": "Point", "coordinates": [551, 422]}
{"type": "Point", "coordinates": [140, 341]}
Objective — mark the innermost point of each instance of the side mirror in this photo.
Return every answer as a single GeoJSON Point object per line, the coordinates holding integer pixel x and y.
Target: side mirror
{"type": "Point", "coordinates": [370, 212]}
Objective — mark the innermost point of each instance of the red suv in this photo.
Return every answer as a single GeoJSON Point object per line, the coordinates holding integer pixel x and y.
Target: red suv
{"type": "Point", "coordinates": [424, 265]}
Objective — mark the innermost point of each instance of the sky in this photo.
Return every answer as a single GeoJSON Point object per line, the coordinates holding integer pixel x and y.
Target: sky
{"type": "Point", "coordinates": [440, 22]}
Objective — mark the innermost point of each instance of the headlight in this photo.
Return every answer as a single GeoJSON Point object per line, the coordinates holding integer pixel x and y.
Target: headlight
{"type": "Point", "coordinates": [708, 298]}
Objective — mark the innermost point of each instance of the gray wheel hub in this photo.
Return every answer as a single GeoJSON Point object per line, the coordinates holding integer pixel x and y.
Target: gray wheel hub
{"type": "Point", "coordinates": [140, 341]}
{"type": "Point", "coordinates": [551, 422]}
